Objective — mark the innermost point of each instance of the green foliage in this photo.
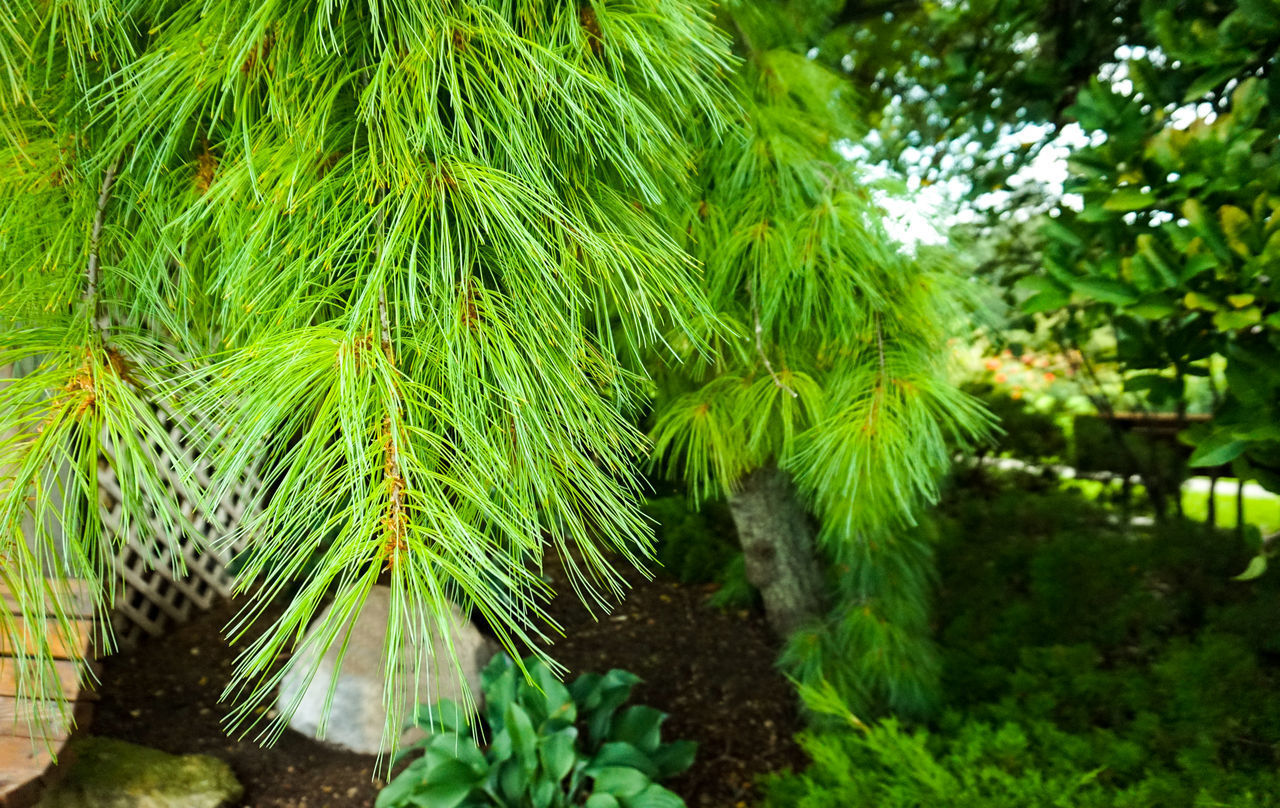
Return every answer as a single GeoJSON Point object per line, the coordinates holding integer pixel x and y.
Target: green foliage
{"type": "Point", "coordinates": [1086, 663]}
{"type": "Point", "coordinates": [830, 363]}
{"type": "Point", "coordinates": [396, 258]}
{"type": "Point", "coordinates": [699, 546]}
{"type": "Point", "coordinates": [1024, 433]}
{"type": "Point", "coordinates": [875, 646]}
{"type": "Point", "coordinates": [1177, 243]}
{"type": "Point", "coordinates": [958, 91]}
{"type": "Point", "coordinates": [1011, 765]}
{"type": "Point", "coordinates": [693, 544]}
{"type": "Point", "coordinates": [548, 746]}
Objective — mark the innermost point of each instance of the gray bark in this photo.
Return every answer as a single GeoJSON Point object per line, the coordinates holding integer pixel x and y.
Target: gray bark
{"type": "Point", "coordinates": [777, 538]}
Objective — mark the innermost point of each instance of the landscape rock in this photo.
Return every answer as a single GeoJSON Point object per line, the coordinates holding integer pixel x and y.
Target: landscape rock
{"type": "Point", "coordinates": [357, 716]}
{"type": "Point", "coordinates": [108, 773]}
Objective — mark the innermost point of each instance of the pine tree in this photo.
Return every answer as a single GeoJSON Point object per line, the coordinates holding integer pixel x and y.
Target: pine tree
{"type": "Point", "coordinates": [827, 400]}
{"type": "Point", "coordinates": [392, 255]}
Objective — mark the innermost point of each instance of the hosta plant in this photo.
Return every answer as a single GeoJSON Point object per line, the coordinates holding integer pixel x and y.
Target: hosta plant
{"type": "Point", "coordinates": [545, 746]}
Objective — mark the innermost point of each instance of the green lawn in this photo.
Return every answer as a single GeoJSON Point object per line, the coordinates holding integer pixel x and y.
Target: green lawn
{"type": "Point", "coordinates": [1263, 510]}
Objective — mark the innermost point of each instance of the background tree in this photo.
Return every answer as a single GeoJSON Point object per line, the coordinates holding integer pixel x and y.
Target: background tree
{"type": "Point", "coordinates": [973, 94]}
{"type": "Point", "coordinates": [416, 237]}
{"type": "Point", "coordinates": [823, 413]}
{"type": "Point", "coordinates": [1175, 248]}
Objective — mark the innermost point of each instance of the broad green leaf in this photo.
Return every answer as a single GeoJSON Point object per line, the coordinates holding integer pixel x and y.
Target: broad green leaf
{"type": "Point", "coordinates": [674, 758]}
{"type": "Point", "coordinates": [1127, 199]}
{"type": "Point", "coordinates": [1045, 301]}
{"type": "Point", "coordinates": [558, 752]}
{"type": "Point", "coordinates": [543, 793]}
{"type": "Point", "coordinates": [1105, 291]}
{"type": "Point", "coordinates": [451, 745]}
{"type": "Point", "coordinates": [618, 753]}
{"type": "Point", "coordinates": [1233, 320]}
{"type": "Point", "coordinates": [446, 785]}
{"type": "Point", "coordinates": [1040, 283]}
{"type": "Point", "coordinates": [601, 800]}
{"type": "Point", "coordinates": [498, 681]}
{"type": "Point", "coordinates": [1193, 211]}
{"type": "Point", "coordinates": [444, 716]}
{"type": "Point", "coordinates": [1198, 302]}
{"type": "Point", "coordinates": [1217, 452]}
{"type": "Point", "coordinates": [1057, 231]}
{"type": "Point", "coordinates": [1196, 265]}
{"type": "Point", "coordinates": [1257, 566]}
{"type": "Point", "coordinates": [1250, 98]}
{"type": "Point", "coordinates": [1207, 82]}
{"type": "Point", "coordinates": [1154, 254]}
{"type": "Point", "coordinates": [1156, 307]}
{"type": "Point", "coordinates": [615, 689]}
{"type": "Point", "coordinates": [586, 690]}
{"type": "Point", "coordinates": [513, 781]}
{"type": "Point", "coordinates": [524, 739]}
{"type": "Point", "coordinates": [1240, 301]}
{"type": "Point", "coordinates": [400, 789]}
{"type": "Point", "coordinates": [1235, 225]}
{"type": "Point", "coordinates": [549, 698]}
{"type": "Point", "coordinates": [620, 781]}
{"type": "Point", "coordinates": [1251, 387]}
{"type": "Point", "coordinates": [640, 726]}
{"type": "Point", "coordinates": [654, 796]}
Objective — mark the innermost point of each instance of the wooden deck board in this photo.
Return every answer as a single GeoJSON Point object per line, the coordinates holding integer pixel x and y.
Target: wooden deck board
{"type": "Point", "coordinates": [67, 672]}
{"type": "Point", "coordinates": [15, 718]}
{"type": "Point", "coordinates": [78, 599]}
{"type": "Point", "coordinates": [27, 749]}
{"type": "Point", "coordinates": [60, 646]}
{"type": "Point", "coordinates": [22, 766]}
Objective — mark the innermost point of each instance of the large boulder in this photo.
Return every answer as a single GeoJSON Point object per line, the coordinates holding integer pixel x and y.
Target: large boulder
{"type": "Point", "coordinates": [356, 714]}
{"type": "Point", "coordinates": [106, 773]}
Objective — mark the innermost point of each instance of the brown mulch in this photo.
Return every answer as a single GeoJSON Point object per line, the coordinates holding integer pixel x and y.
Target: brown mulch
{"type": "Point", "coordinates": [711, 670]}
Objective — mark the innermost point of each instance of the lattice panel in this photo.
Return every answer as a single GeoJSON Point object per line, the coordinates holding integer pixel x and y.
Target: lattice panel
{"type": "Point", "coordinates": [160, 589]}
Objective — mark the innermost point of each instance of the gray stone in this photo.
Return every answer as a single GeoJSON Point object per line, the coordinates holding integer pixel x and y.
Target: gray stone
{"type": "Point", "coordinates": [106, 773]}
{"type": "Point", "coordinates": [357, 716]}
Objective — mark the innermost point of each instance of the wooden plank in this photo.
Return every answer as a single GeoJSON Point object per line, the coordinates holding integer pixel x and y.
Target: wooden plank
{"type": "Point", "coordinates": [16, 715]}
{"type": "Point", "coordinates": [66, 671]}
{"type": "Point", "coordinates": [21, 762]}
{"type": "Point", "coordinates": [60, 646]}
{"type": "Point", "coordinates": [77, 598]}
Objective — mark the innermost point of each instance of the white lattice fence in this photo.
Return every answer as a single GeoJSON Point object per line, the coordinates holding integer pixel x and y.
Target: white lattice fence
{"type": "Point", "coordinates": [156, 591]}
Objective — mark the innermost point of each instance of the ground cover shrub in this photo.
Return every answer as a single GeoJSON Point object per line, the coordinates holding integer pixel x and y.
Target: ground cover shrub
{"type": "Point", "coordinates": [1086, 662]}
{"type": "Point", "coordinates": [974, 764]}
{"type": "Point", "coordinates": [542, 745]}
{"type": "Point", "coordinates": [699, 545]}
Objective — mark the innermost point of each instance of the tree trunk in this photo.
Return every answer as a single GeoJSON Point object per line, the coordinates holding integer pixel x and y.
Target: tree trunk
{"type": "Point", "coordinates": [777, 538]}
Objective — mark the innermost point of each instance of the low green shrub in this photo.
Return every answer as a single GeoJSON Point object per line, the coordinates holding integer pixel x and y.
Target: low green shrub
{"type": "Point", "coordinates": [975, 764]}
{"type": "Point", "coordinates": [548, 746]}
{"type": "Point", "coordinates": [1085, 662]}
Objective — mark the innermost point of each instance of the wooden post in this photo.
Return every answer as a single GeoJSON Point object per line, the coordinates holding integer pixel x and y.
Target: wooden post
{"type": "Point", "coordinates": [1213, 501]}
{"type": "Point", "coordinates": [1240, 507]}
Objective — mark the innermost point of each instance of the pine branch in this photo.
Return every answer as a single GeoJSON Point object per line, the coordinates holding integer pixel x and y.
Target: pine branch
{"type": "Point", "coordinates": [880, 343]}
{"type": "Point", "coordinates": [393, 472]}
{"type": "Point", "coordinates": [759, 330]}
{"type": "Point", "coordinates": [95, 240]}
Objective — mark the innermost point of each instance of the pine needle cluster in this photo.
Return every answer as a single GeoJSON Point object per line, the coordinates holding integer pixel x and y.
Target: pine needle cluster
{"type": "Point", "coordinates": [390, 255]}
{"type": "Point", "coordinates": [832, 363]}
